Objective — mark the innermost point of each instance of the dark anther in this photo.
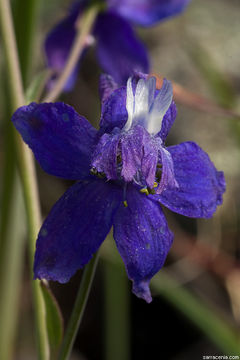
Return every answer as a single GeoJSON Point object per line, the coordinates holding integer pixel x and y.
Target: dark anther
{"type": "Point", "coordinates": [119, 159]}
{"type": "Point", "coordinates": [158, 172]}
{"type": "Point", "coordinates": [100, 175]}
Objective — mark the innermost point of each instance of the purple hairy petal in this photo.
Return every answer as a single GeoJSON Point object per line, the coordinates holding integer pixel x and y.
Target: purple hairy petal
{"type": "Point", "coordinates": [200, 185]}
{"type": "Point", "coordinates": [60, 138]}
{"type": "Point", "coordinates": [168, 121]}
{"type": "Point", "coordinates": [147, 12]}
{"type": "Point", "coordinates": [119, 51]}
{"type": "Point", "coordinates": [132, 150]}
{"type": "Point", "coordinates": [114, 112]}
{"type": "Point", "coordinates": [105, 155]}
{"type": "Point", "coordinates": [140, 154]}
{"type": "Point", "coordinates": [106, 86]}
{"type": "Point", "coordinates": [143, 239]}
{"type": "Point", "coordinates": [75, 228]}
{"type": "Point", "coordinates": [149, 162]}
{"type": "Point", "coordinates": [168, 180]}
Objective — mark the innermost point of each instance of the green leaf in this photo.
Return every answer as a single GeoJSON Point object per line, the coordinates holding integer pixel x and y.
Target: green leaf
{"type": "Point", "coordinates": [36, 87]}
{"type": "Point", "coordinates": [54, 319]}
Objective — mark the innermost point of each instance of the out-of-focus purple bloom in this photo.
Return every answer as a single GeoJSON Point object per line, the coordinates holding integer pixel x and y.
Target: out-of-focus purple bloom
{"type": "Point", "coordinates": [119, 51]}
{"type": "Point", "coordinates": [147, 12]}
{"type": "Point", "coordinates": [124, 172]}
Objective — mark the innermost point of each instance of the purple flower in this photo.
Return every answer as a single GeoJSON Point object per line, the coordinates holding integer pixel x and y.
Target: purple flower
{"type": "Point", "coordinates": [124, 172]}
{"type": "Point", "coordinates": [119, 51]}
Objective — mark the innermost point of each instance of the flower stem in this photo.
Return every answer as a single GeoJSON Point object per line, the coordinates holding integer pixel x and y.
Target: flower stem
{"type": "Point", "coordinates": [78, 310]}
{"type": "Point", "coordinates": [11, 267]}
{"type": "Point", "coordinates": [84, 24]}
{"type": "Point", "coordinates": [25, 165]}
{"type": "Point", "coordinates": [117, 312]}
{"type": "Point", "coordinates": [25, 12]}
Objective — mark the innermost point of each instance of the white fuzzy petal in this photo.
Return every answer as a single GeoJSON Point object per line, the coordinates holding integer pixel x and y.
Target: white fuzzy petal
{"type": "Point", "coordinates": [129, 104]}
{"type": "Point", "coordinates": [151, 90]}
{"type": "Point", "coordinates": [141, 99]}
{"type": "Point", "coordinates": [160, 106]}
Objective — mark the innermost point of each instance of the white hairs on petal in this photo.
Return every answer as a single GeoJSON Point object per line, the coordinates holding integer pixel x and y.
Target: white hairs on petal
{"type": "Point", "coordinates": [159, 108]}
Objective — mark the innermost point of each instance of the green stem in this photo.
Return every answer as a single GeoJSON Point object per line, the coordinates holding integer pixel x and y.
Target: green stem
{"type": "Point", "coordinates": [85, 24]}
{"type": "Point", "coordinates": [117, 326]}
{"type": "Point", "coordinates": [12, 64]}
{"type": "Point", "coordinates": [11, 266]}
{"type": "Point", "coordinates": [9, 172]}
{"type": "Point", "coordinates": [78, 310]}
{"type": "Point", "coordinates": [25, 12]}
{"type": "Point", "coordinates": [26, 166]}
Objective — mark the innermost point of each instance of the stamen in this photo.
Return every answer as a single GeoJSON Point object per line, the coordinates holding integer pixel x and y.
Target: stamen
{"type": "Point", "coordinates": [100, 175]}
{"type": "Point", "coordinates": [155, 184]}
{"type": "Point", "coordinates": [93, 171]}
{"type": "Point", "coordinates": [151, 191]}
{"type": "Point", "coordinates": [158, 176]}
{"type": "Point", "coordinates": [125, 195]}
{"type": "Point", "coordinates": [119, 159]}
{"type": "Point", "coordinates": [144, 191]}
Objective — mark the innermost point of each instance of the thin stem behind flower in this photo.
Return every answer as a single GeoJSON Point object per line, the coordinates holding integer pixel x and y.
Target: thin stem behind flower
{"type": "Point", "coordinates": [79, 307]}
{"type": "Point", "coordinates": [84, 25]}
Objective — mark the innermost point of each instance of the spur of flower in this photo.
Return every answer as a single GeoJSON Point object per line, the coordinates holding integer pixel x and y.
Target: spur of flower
{"type": "Point", "coordinates": [118, 49]}
{"type": "Point", "coordinates": [124, 172]}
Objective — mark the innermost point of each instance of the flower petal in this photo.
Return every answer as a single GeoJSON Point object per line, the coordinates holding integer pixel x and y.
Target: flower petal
{"type": "Point", "coordinates": [140, 153]}
{"type": "Point", "coordinates": [60, 138]}
{"type": "Point", "coordinates": [106, 86]}
{"type": "Point", "coordinates": [105, 155]}
{"type": "Point", "coordinates": [132, 150]}
{"type": "Point", "coordinates": [118, 50]}
{"type": "Point", "coordinates": [139, 100]}
{"type": "Point", "coordinates": [75, 228]}
{"type": "Point", "coordinates": [160, 107]}
{"type": "Point", "coordinates": [114, 112]}
{"type": "Point", "coordinates": [147, 12]}
{"type": "Point", "coordinates": [149, 162]}
{"type": "Point", "coordinates": [200, 185]}
{"type": "Point", "coordinates": [168, 121]}
{"type": "Point", "coordinates": [168, 179]}
{"type": "Point", "coordinates": [143, 239]}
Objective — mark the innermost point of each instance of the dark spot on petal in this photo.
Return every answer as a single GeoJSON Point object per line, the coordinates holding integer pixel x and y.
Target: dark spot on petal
{"type": "Point", "coordinates": [43, 232]}
{"type": "Point", "coordinates": [65, 117]}
{"type": "Point", "coordinates": [36, 123]}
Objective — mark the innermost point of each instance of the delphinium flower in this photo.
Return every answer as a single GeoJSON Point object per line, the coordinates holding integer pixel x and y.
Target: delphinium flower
{"type": "Point", "coordinates": [124, 172]}
{"type": "Point", "coordinates": [119, 51]}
